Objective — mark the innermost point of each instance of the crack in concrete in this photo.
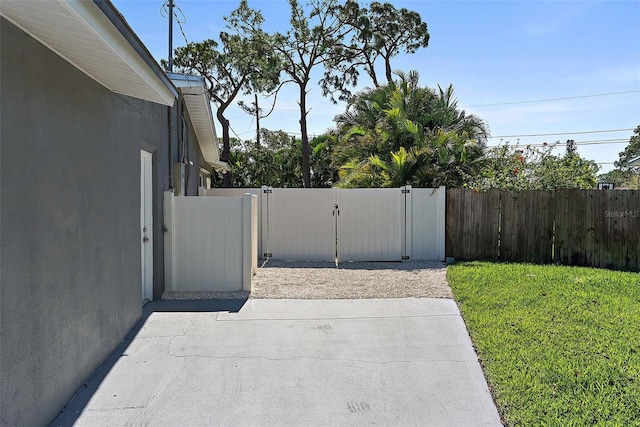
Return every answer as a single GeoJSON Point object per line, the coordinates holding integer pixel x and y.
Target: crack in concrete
{"type": "Point", "coordinates": [231, 318]}
{"type": "Point", "coordinates": [181, 334]}
{"type": "Point", "coordinates": [328, 359]}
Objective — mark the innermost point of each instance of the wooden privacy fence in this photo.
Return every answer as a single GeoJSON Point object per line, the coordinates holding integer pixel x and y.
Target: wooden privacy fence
{"type": "Point", "coordinates": [598, 228]}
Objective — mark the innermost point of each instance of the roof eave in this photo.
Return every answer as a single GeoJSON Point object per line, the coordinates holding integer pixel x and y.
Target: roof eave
{"type": "Point", "coordinates": [198, 104]}
{"type": "Point", "coordinates": [127, 32]}
{"type": "Point", "coordinates": [93, 37]}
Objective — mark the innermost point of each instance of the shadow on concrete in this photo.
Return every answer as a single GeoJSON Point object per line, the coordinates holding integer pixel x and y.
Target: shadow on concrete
{"type": "Point", "coordinates": [195, 306]}
{"type": "Point", "coordinates": [73, 409]}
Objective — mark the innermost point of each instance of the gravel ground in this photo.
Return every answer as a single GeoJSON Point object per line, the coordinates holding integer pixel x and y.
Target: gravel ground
{"type": "Point", "coordinates": [351, 280]}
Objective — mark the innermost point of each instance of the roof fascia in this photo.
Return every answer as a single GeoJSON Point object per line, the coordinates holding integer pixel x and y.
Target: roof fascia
{"type": "Point", "coordinates": [120, 23]}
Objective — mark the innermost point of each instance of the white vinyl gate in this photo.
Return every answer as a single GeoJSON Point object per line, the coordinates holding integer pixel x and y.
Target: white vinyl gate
{"type": "Point", "coordinates": [371, 224]}
{"type": "Point", "coordinates": [382, 224]}
{"type": "Point", "coordinates": [210, 244]}
{"type": "Point", "coordinates": [300, 224]}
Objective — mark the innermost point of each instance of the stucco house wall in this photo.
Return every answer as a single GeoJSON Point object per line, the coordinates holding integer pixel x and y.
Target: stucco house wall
{"type": "Point", "coordinates": [70, 224]}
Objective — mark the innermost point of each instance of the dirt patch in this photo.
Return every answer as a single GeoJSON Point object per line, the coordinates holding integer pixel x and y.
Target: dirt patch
{"type": "Point", "coordinates": [350, 280]}
{"type": "Point", "coordinates": [323, 280]}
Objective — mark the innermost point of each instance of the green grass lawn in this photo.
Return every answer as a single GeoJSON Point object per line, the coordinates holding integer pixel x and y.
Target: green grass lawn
{"type": "Point", "coordinates": [560, 346]}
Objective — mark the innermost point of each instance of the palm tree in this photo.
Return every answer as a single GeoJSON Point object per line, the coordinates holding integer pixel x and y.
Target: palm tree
{"type": "Point", "coordinates": [405, 134]}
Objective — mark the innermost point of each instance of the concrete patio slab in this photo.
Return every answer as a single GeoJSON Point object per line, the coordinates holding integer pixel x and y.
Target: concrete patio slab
{"type": "Point", "coordinates": [405, 362]}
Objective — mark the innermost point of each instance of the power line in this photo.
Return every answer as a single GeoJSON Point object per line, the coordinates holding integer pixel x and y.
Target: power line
{"type": "Point", "coordinates": [168, 9]}
{"type": "Point", "coordinates": [553, 99]}
{"type": "Point", "coordinates": [603, 141]}
{"type": "Point", "coordinates": [529, 135]}
{"type": "Point", "coordinates": [590, 142]}
{"type": "Point", "coordinates": [620, 141]}
{"type": "Point", "coordinates": [563, 133]}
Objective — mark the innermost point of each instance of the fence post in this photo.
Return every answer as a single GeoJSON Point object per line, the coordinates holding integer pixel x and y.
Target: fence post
{"type": "Point", "coordinates": [441, 194]}
{"type": "Point", "coordinates": [254, 234]}
{"type": "Point", "coordinates": [169, 270]}
{"type": "Point", "coordinates": [406, 222]}
{"type": "Point", "coordinates": [265, 211]}
{"type": "Point", "coordinates": [247, 232]}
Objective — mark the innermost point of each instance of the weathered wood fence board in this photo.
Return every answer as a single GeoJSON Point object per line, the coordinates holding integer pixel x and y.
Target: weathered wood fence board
{"type": "Point", "coordinates": [526, 233]}
{"type": "Point", "coordinates": [572, 227]}
{"type": "Point", "coordinates": [472, 223]}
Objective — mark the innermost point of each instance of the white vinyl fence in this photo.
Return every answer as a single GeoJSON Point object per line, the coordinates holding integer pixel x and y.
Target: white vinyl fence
{"type": "Point", "coordinates": [211, 243]}
{"type": "Point", "coordinates": [371, 224]}
{"type": "Point", "coordinates": [383, 224]}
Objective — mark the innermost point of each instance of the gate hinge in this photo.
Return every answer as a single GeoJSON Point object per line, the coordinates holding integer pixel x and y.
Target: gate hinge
{"type": "Point", "coordinates": [267, 191]}
{"type": "Point", "coordinates": [405, 191]}
{"type": "Point", "coordinates": [404, 258]}
{"type": "Point", "coordinates": [267, 254]}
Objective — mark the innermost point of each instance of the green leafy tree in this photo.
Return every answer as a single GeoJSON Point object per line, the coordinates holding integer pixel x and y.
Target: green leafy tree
{"type": "Point", "coordinates": [439, 158]}
{"type": "Point", "coordinates": [403, 133]}
{"type": "Point", "coordinates": [381, 32]}
{"type": "Point", "coordinates": [276, 161]}
{"type": "Point", "coordinates": [309, 43]}
{"type": "Point", "coordinates": [624, 176]}
{"type": "Point", "coordinates": [631, 151]}
{"type": "Point", "coordinates": [620, 178]}
{"type": "Point", "coordinates": [243, 62]}
{"type": "Point", "coordinates": [254, 166]}
{"type": "Point", "coordinates": [324, 172]}
{"type": "Point", "coordinates": [533, 168]}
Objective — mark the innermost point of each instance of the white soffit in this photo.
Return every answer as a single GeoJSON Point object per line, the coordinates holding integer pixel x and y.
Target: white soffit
{"type": "Point", "coordinates": [198, 104]}
{"type": "Point", "coordinates": [103, 47]}
{"type": "Point", "coordinates": [635, 162]}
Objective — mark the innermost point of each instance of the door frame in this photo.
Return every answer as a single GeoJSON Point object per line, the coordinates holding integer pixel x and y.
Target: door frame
{"type": "Point", "coordinates": [146, 225]}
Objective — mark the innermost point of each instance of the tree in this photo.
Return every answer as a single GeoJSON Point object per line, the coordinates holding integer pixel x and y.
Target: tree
{"type": "Point", "coordinates": [407, 134]}
{"type": "Point", "coordinates": [396, 105]}
{"type": "Point", "coordinates": [324, 172]}
{"type": "Point", "coordinates": [631, 151]}
{"type": "Point", "coordinates": [276, 161]}
{"type": "Point", "coordinates": [624, 176]}
{"type": "Point", "coordinates": [620, 178]}
{"type": "Point", "coordinates": [439, 158]}
{"type": "Point", "coordinates": [309, 43]}
{"type": "Point", "coordinates": [381, 32]}
{"type": "Point", "coordinates": [242, 63]}
{"type": "Point", "coordinates": [533, 168]}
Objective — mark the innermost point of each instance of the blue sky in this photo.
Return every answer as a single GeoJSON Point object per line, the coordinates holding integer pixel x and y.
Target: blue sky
{"type": "Point", "coordinates": [493, 52]}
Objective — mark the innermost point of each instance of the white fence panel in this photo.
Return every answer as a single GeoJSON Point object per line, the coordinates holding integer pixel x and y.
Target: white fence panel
{"type": "Point", "coordinates": [239, 192]}
{"type": "Point", "coordinates": [374, 224]}
{"type": "Point", "coordinates": [301, 224]}
{"type": "Point", "coordinates": [211, 243]}
{"type": "Point", "coordinates": [428, 223]}
{"type": "Point", "coordinates": [370, 225]}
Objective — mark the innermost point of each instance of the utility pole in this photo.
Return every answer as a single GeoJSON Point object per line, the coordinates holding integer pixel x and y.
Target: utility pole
{"type": "Point", "coordinates": [254, 109]}
{"type": "Point", "coordinates": [257, 121]}
{"type": "Point", "coordinates": [170, 36]}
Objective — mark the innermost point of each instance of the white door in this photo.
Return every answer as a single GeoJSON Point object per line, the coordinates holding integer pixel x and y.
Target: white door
{"type": "Point", "coordinates": [146, 225]}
